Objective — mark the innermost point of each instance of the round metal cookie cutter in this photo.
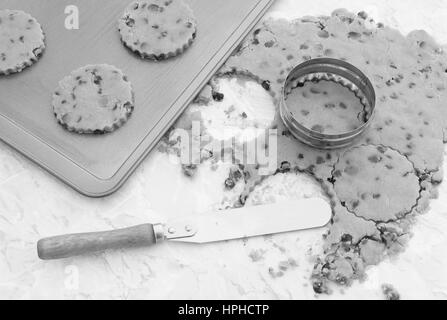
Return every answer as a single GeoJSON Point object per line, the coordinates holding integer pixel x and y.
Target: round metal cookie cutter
{"type": "Point", "coordinates": [331, 70]}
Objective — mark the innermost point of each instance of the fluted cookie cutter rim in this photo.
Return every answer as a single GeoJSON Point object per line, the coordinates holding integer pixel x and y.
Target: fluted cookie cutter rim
{"type": "Point", "coordinates": [333, 70]}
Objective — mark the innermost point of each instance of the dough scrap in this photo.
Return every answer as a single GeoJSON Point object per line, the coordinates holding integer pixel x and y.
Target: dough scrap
{"type": "Point", "coordinates": [158, 29]}
{"type": "Point", "coordinates": [93, 99]}
{"type": "Point", "coordinates": [390, 293]}
{"type": "Point", "coordinates": [21, 41]}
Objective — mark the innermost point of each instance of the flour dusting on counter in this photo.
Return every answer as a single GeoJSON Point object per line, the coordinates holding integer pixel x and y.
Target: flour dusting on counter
{"type": "Point", "coordinates": [33, 204]}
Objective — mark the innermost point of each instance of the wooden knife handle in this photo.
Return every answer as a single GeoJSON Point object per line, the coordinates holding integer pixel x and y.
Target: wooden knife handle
{"type": "Point", "coordinates": [79, 244]}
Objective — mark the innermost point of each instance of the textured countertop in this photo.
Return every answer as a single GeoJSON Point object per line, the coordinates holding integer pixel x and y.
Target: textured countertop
{"type": "Point", "coordinates": [33, 204]}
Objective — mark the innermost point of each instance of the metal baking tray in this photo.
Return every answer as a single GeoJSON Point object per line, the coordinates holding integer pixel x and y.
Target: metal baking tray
{"type": "Point", "coordinates": [98, 165]}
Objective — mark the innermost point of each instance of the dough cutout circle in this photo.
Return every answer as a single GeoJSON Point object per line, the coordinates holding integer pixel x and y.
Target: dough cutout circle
{"type": "Point", "coordinates": [22, 41]}
{"type": "Point", "coordinates": [158, 29]}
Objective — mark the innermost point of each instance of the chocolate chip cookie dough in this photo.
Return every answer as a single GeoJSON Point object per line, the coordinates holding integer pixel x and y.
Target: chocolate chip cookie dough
{"type": "Point", "coordinates": [93, 99]}
{"type": "Point", "coordinates": [403, 148]}
{"type": "Point", "coordinates": [21, 41]}
{"type": "Point", "coordinates": [158, 29]}
{"type": "Point", "coordinates": [326, 107]}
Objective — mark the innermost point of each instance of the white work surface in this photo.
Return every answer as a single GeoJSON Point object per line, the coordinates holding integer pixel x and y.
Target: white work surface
{"type": "Point", "coordinates": [33, 204]}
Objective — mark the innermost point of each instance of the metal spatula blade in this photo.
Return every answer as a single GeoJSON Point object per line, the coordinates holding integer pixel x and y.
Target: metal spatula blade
{"type": "Point", "coordinates": [212, 227]}
{"type": "Point", "coordinates": [253, 221]}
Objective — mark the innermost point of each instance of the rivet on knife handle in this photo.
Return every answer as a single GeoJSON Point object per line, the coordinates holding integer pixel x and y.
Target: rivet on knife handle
{"type": "Point", "coordinates": [179, 230]}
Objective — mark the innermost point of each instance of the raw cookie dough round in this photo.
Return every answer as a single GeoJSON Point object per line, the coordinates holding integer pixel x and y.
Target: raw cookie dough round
{"type": "Point", "coordinates": [376, 183]}
{"type": "Point", "coordinates": [21, 41]}
{"type": "Point", "coordinates": [326, 107]}
{"type": "Point", "coordinates": [158, 29]}
{"type": "Point", "coordinates": [93, 99]}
